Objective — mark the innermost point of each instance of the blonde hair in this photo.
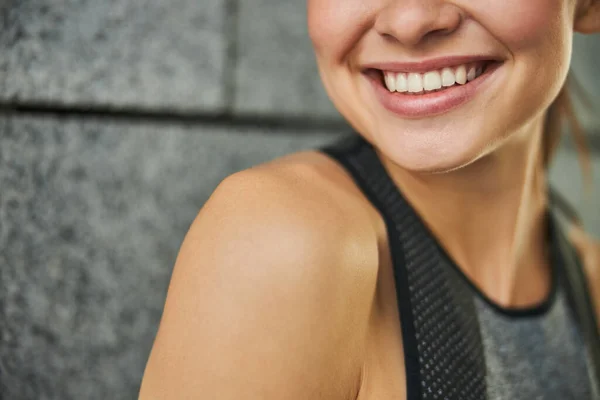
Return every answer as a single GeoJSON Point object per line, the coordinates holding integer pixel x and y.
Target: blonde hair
{"type": "Point", "coordinates": [561, 115]}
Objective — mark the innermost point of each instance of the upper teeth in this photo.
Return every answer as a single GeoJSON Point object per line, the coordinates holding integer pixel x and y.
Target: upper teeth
{"type": "Point", "coordinates": [433, 80]}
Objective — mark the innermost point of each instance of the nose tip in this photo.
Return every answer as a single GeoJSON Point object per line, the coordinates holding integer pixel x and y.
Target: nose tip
{"type": "Point", "coordinates": [410, 22]}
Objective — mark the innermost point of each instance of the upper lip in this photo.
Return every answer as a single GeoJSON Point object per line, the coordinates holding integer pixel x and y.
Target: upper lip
{"type": "Point", "coordinates": [428, 65]}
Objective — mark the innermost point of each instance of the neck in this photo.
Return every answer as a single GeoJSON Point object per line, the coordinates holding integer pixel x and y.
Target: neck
{"type": "Point", "coordinates": [490, 217]}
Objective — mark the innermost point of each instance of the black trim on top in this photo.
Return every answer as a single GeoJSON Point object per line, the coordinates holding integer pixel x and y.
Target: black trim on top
{"type": "Point", "coordinates": [535, 310]}
{"type": "Point", "coordinates": [409, 339]}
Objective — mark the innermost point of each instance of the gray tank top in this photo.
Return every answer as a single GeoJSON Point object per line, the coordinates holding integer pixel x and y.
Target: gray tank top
{"type": "Point", "coordinates": [536, 352]}
{"type": "Point", "coordinates": [458, 344]}
{"type": "Point", "coordinates": [533, 354]}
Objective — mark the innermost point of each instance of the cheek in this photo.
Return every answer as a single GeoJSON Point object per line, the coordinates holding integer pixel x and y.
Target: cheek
{"type": "Point", "coordinates": [335, 26]}
{"type": "Point", "coordinates": [527, 24]}
{"type": "Point", "coordinates": [538, 34]}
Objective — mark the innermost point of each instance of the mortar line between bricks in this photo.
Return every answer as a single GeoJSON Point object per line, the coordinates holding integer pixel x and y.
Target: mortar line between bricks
{"type": "Point", "coordinates": [271, 123]}
{"type": "Point", "coordinates": [301, 123]}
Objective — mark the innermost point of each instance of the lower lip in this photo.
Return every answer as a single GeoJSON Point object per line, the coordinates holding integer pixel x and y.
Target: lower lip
{"type": "Point", "coordinates": [430, 104]}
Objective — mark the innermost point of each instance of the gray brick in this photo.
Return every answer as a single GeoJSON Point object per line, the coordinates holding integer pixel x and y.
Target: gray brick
{"type": "Point", "coordinates": [276, 69]}
{"type": "Point", "coordinates": [92, 214]}
{"type": "Point", "coordinates": [138, 53]}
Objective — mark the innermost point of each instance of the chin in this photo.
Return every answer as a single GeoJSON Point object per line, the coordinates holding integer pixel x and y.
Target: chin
{"type": "Point", "coordinates": [429, 154]}
{"type": "Point", "coordinates": [431, 165]}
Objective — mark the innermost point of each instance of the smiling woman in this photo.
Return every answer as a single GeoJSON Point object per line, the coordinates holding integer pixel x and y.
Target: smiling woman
{"type": "Point", "coordinates": [422, 257]}
{"type": "Point", "coordinates": [525, 47]}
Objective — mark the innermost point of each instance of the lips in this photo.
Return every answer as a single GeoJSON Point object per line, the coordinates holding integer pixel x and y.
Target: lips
{"type": "Point", "coordinates": [416, 90]}
{"type": "Point", "coordinates": [431, 64]}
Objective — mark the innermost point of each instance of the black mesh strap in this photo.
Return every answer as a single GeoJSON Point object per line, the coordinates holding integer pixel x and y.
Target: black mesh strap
{"type": "Point", "coordinates": [443, 350]}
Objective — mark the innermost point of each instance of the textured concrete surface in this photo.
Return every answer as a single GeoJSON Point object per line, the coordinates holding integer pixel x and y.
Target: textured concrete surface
{"type": "Point", "coordinates": [276, 71]}
{"type": "Point", "coordinates": [138, 53]}
{"type": "Point", "coordinates": [92, 214]}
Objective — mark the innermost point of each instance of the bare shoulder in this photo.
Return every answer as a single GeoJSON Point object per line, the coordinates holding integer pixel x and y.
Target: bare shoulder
{"type": "Point", "coordinates": [270, 295]}
{"type": "Point", "coordinates": [588, 248]}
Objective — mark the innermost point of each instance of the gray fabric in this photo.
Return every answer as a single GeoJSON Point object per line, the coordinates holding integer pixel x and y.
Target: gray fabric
{"type": "Point", "coordinates": [534, 357]}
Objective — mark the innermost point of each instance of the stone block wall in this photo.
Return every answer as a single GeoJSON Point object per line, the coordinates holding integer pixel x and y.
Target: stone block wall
{"type": "Point", "coordinates": [117, 120]}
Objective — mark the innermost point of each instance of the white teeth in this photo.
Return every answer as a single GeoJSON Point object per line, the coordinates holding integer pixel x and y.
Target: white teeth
{"type": "Point", "coordinates": [448, 77]}
{"type": "Point", "coordinates": [390, 81]}
{"type": "Point", "coordinates": [472, 74]}
{"type": "Point", "coordinates": [432, 81]}
{"type": "Point", "coordinates": [415, 83]}
{"type": "Point", "coordinates": [461, 75]}
{"type": "Point", "coordinates": [401, 83]}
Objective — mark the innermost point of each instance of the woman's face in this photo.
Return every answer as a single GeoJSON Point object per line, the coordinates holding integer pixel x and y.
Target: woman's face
{"type": "Point", "coordinates": [436, 84]}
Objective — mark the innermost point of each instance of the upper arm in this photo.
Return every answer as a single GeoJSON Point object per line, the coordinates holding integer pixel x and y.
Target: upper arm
{"type": "Point", "coordinates": [260, 304]}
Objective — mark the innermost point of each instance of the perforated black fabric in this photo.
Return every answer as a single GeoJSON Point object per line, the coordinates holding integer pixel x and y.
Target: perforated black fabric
{"type": "Point", "coordinates": [444, 353]}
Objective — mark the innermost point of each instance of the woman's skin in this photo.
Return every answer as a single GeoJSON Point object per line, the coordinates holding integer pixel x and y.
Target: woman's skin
{"type": "Point", "coordinates": [283, 288]}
